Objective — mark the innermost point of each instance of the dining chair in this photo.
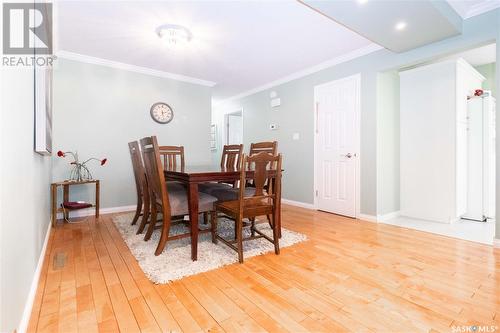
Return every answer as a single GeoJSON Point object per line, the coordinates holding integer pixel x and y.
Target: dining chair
{"type": "Point", "coordinates": [141, 186]}
{"type": "Point", "coordinates": [270, 147]}
{"type": "Point", "coordinates": [172, 158]}
{"type": "Point", "coordinates": [260, 203]}
{"type": "Point", "coordinates": [230, 160]}
{"type": "Point", "coordinates": [169, 203]}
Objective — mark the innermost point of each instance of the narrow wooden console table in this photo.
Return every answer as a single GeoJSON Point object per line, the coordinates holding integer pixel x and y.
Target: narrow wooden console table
{"type": "Point", "coordinates": [66, 184]}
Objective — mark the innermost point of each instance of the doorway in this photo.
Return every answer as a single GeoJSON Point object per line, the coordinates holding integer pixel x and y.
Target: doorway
{"type": "Point", "coordinates": [233, 124]}
{"type": "Point", "coordinates": [336, 146]}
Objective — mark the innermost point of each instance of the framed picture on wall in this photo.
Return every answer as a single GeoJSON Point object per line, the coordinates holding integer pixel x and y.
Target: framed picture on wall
{"type": "Point", "coordinates": [43, 110]}
{"type": "Point", "coordinates": [213, 137]}
{"type": "Point", "coordinates": [43, 74]}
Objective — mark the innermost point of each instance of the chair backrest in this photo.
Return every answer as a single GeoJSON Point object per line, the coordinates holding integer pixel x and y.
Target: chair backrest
{"type": "Point", "coordinates": [138, 167]}
{"type": "Point", "coordinates": [231, 157]}
{"type": "Point", "coordinates": [270, 147]}
{"type": "Point", "coordinates": [263, 165]}
{"type": "Point", "coordinates": [172, 157]}
{"type": "Point", "coordinates": [154, 172]}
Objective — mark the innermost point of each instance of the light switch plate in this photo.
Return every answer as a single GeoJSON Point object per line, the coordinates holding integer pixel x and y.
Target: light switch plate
{"type": "Point", "coordinates": [296, 136]}
{"type": "Point", "coordinates": [275, 102]}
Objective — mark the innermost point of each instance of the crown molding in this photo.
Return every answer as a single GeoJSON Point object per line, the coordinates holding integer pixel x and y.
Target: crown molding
{"type": "Point", "coordinates": [132, 68]}
{"type": "Point", "coordinates": [482, 7]}
{"type": "Point", "coordinates": [311, 70]}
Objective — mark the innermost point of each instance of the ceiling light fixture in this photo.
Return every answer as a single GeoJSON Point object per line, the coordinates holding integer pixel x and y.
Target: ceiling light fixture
{"type": "Point", "coordinates": [400, 26]}
{"type": "Point", "coordinates": [362, 2]}
{"type": "Point", "coordinates": [174, 35]}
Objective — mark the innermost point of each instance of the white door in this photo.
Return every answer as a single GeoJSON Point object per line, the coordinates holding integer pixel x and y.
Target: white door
{"type": "Point", "coordinates": [336, 145]}
{"type": "Point", "coordinates": [234, 128]}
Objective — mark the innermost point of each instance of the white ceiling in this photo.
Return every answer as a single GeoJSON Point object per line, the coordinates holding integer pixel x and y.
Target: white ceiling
{"type": "Point", "coordinates": [239, 45]}
{"type": "Point", "coordinates": [479, 56]}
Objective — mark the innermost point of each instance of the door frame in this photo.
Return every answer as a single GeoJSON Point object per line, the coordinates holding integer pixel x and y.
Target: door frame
{"type": "Point", "coordinates": [225, 133]}
{"type": "Point", "coordinates": [357, 138]}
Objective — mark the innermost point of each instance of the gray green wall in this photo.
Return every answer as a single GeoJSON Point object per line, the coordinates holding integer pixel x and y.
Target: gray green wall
{"type": "Point", "coordinates": [489, 72]}
{"type": "Point", "coordinates": [296, 112]}
{"type": "Point", "coordinates": [98, 110]}
{"type": "Point", "coordinates": [24, 197]}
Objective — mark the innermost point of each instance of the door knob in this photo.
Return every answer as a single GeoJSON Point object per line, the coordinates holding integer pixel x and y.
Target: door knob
{"type": "Point", "coordinates": [348, 155]}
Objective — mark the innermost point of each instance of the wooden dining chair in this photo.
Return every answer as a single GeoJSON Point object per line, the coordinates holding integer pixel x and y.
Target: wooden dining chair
{"type": "Point", "coordinates": [230, 160]}
{"type": "Point", "coordinates": [168, 203]}
{"type": "Point", "coordinates": [270, 147]}
{"type": "Point", "coordinates": [141, 186]}
{"type": "Point", "coordinates": [172, 158]}
{"type": "Point", "coordinates": [260, 203]}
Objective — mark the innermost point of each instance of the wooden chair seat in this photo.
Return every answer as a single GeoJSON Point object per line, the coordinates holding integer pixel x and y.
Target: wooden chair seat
{"type": "Point", "coordinates": [229, 194]}
{"type": "Point", "coordinates": [179, 204]}
{"type": "Point", "coordinates": [209, 188]}
{"type": "Point", "coordinates": [250, 209]}
{"type": "Point", "coordinates": [175, 185]}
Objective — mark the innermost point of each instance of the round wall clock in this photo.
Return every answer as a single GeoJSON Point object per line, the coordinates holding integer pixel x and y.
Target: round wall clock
{"type": "Point", "coordinates": [162, 113]}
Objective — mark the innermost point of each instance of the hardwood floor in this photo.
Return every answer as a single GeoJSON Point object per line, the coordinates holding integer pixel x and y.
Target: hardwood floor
{"type": "Point", "coordinates": [349, 276]}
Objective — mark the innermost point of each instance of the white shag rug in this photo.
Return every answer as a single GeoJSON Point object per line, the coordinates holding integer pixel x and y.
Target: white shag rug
{"type": "Point", "coordinates": [175, 261]}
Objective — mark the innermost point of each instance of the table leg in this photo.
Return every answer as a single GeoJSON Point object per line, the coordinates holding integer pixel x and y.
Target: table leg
{"type": "Point", "coordinates": [193, 218]}
{"type": "Point", "coordinates": [66, 199]}
{"type": "Point", "coordinates": [53, 198]}
{"type": "Point", "coordinates": [97, 198]}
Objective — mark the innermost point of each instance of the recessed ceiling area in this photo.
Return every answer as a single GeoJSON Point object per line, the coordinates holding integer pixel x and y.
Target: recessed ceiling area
{"type": "Point", "coordinates": [396, 25]}
{"type": "Point", "coordinates": [239, 45]}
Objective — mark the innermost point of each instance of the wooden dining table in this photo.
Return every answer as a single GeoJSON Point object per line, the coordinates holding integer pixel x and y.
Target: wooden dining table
{"type": "Point", "coordinates": [194, 175]}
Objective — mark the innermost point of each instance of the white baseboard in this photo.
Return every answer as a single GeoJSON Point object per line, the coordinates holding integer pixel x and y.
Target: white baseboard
{"type": "Point", "coordinates": [388, 216]}
{"type": "Point", "coordinates": [23, 325]}
{"type": "Point", "coordinates": [366, 217]}
{"type": "Point", "coordinates": [297, 203]}
{"type": "Point", "coordinates": [91, 211]}
{"type": "Point", "coordinates": [496, 243]}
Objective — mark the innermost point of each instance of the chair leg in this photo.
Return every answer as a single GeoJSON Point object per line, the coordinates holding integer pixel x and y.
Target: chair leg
{"type": "Point", "coordinates": [269, 220]}
{"type": "Point", "coordinates": [205, 218]}
{"type": "Point", "coordinates": [276, 239]}
{"type": "Point", "coordinates": [239, 238]}
{"type": "Point", "coordinates": [252, 227]}
{"type": "Point", "coordinates": [137, 210]}
{"type": "Point", "coordinates": [152, 222]}
{"type": "Point", "coordinates": [165, 230]}
{"type": "Point", "coordinates": [213, 223]}
{"type": "Point", "coordinates": [145, 214]}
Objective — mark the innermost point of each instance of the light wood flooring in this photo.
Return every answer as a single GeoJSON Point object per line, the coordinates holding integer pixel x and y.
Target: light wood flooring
{"type": "Point", "coordinates": [349, 276]}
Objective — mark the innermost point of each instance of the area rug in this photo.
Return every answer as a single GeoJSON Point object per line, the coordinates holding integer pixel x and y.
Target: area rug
{"type": "Point", "coordinates": [175, 261]}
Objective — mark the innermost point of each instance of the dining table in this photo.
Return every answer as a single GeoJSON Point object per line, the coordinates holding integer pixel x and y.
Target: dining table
{"type": "Point", "coordinates": [196, 174]}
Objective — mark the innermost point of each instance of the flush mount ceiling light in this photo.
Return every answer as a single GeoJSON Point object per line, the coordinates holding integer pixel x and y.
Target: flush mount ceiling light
{"type": "Point", "coordinates": [174, 35]}
{"type": "Point", "coordinates": [400, 26]}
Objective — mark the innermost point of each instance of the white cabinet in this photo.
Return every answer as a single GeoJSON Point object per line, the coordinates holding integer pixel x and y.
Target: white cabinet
{"type": "Point", "coordinates": [433, 134]}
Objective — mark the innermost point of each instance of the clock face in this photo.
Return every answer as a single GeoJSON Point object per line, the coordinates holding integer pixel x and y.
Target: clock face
{"type": "Point", "coordinates": [162, 113]}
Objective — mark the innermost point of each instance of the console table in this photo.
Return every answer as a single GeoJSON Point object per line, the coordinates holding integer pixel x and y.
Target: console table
{"type": "Point", "coordinates": [66, 185]}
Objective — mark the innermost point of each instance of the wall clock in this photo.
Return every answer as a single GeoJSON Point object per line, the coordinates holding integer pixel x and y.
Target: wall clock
{"type": "Point", "coordinates": [162, 113]}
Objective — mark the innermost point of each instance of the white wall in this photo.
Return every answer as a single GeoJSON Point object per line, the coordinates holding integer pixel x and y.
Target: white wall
{"type": "Point", "coordinates": [98, 110]}
{"type": "Point", "coordinates": [387, 142]}
{"type": "Point", "coordinates": [24, 196]}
